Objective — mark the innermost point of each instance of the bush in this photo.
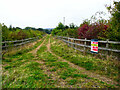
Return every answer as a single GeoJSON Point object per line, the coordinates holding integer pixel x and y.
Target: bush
{"type": "Point", "coordinates": [18, 34]}
{"type": "Point", "coordinates": [92, 31]}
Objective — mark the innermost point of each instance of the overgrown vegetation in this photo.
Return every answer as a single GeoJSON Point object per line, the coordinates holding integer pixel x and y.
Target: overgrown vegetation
{"type": "Point", "coordinates": [12, 33]}
{"type": "Point", "coordinates": [23, 49]}
{"type": "Point", "coordinates": [114, 22]}
{"type": "Point", "coordinates": [96, 27]}
{"type": "Point", "coordinates": [62, 30]}
{"type": "Point", "coordinates": [110, 68]}
{"type": "Point", "coordinates": [55, 65]}
{"type": "Point", "coordinates": [45, 70]}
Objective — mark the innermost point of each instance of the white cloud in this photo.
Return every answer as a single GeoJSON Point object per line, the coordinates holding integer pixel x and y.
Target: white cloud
{"type": "Point", "coordinates": [48, 13]}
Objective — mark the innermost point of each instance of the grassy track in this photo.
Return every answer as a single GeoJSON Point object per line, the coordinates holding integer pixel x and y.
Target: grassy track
{"type": "Point", "coordinates": [46, 70]}
{"type": "Point", "coordinates": [103, 67]}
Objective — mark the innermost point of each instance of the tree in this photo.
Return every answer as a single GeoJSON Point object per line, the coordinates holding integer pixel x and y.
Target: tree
{"type": "Point", "coordinates": [72, 25]}
{"type": "Point", "coordinates": [14, 29]}
{"type": "Point", "coordinates": [66, 27]}
{"type": "Point", "coordinates": [47, 31]}
{"type": "Point", "coordinates": [5, 32]}
{"type": "Point", "coordinates": [60, 26]}
{"type": "Point", "coordinates": [114, 30]}
{"type": "Point", "coordinates": [0, 31]}
{"type": "Point", "coordinates": [40, 29]}
{"type": "Point", "coordinates": [18, 28]}
{"type": "Point", "coordinates": [27, 28]}
{"type": "Point", "coordinates": [86, 21]}
{"type": "Point", "coordinates": [93, 31]}
{"type": "Point", "coordinates": [10, 28]}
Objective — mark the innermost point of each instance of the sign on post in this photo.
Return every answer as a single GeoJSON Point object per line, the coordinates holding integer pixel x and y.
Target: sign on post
{"type": "Point", "coordinates": [94, 45]}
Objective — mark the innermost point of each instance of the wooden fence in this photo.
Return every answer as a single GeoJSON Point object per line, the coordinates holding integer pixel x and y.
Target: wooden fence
{"type": "Point", "coordinates": [74, 43]}
{"type": "Point", "coordinates": [15, 43]}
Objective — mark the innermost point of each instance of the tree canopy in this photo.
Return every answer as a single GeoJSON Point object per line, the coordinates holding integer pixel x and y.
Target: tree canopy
{"type": "Point", "coordinates": [114, 22]}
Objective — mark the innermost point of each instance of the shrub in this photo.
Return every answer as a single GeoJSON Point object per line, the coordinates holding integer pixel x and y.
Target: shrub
{"type": "Point", "coordinates": [93, 31]}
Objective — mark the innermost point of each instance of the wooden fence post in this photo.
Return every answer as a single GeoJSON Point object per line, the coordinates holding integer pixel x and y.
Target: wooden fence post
{"type": "Point", "coordinates": [107, 45]}
{"type": "Point", "coordinates": [71, 42]}
{"type": "Point", "coordinates": [68, 41]}
{"type": "Point", "coordinates": [68, 38]}
{"type": "Point", "coordinates": [5, 47]}
{"type": "Point", "coordinates": [22, 42]}
{"type": "Point", "coordinates": [85, 46]}
{"type": "Point", "coordinates": [74, 44]}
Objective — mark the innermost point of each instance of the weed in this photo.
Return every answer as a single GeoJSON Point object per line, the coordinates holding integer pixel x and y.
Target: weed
{"type": "Point", "coordinates": [53, 69]}
{"type": "Point", "coordinates": [80, 75]}
{"type": "Point", "coordinates": [72, 81]}
{"type": "Point", "coordinates": [63, 77]}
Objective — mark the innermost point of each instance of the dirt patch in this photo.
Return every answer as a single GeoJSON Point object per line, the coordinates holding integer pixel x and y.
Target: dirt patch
{"type": "Point", "coordinates": [41, 62]}
{"type": "Point", "coordinates": [35, 50]}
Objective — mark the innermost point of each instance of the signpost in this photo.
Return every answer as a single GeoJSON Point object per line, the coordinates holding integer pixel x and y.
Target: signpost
{"type": "Point", "coordinates": [94, 45]}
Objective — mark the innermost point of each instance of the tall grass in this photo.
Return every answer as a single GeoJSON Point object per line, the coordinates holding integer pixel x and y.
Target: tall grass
{"type": "Point", "coordinates": [100, 66]}
{"type": "Point", "coordinates": [23, 49]}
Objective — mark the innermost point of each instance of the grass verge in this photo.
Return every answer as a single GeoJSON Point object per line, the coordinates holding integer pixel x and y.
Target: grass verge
{"type": "Point", "coordinates": [103, 67]}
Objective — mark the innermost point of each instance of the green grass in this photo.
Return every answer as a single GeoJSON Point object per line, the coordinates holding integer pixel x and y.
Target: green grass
{"type": "Point", "coordinates": [23, 50]}
{"type": "Point", "coordinates": [72, 81]}
{"type": "Point", "coordinates": [80, 75]}
{"type": "Point", "coordinates": [103, 67]}
{"type": "Point", "coordinates": [24, 71]}
{"type": "Point", "coordinates": [46, 56]}
{"type": "Point", "coordinates": [47, 39]}
{"type": "Point", "coordinates": [64, 71]}
{"type": "Point", "coordinates": [27, 76]}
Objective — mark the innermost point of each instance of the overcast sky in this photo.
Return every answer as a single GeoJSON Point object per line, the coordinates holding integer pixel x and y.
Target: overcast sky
{"type": "Point", "coordinates": [48, 13]}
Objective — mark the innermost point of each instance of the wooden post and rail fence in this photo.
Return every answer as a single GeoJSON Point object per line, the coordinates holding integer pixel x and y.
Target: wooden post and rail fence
{"type": "Point", "coordinates": [76, 43]}
{"type": "Point", "coordinates": [7, 44]}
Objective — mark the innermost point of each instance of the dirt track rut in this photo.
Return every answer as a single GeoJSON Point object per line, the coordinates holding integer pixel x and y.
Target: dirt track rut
{"type": "Point", "coordinates": [84, 71]}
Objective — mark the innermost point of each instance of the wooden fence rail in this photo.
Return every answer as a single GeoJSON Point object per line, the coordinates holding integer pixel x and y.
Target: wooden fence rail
{"type": "Point", "coordinates": [107, 49]}
{"type": "Point", "coordinates": [85, 40]}
{"type": "Point", "coordinates": [72, 43]}
{"type": "Point", "coordinates": [18, 42]}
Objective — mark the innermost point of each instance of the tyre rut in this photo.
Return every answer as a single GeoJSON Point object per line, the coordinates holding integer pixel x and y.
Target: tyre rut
{"type": "Point", "coordinates": [83, 70]}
